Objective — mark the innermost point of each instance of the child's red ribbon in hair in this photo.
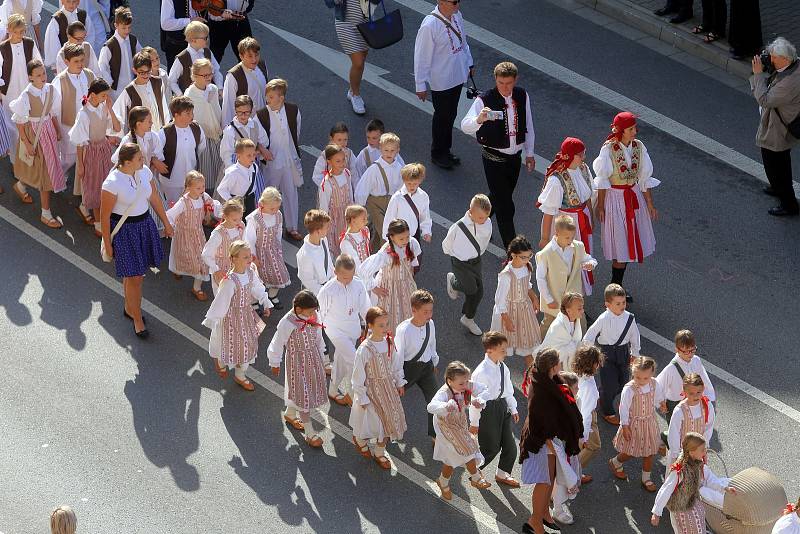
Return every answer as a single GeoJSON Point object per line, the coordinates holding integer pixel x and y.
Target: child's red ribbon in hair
{"type": "Point", "coordinates": [84, 99]}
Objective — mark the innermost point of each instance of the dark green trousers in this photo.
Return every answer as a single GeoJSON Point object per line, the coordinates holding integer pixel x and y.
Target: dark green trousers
{"type": "Point", "coordinates": [469, 280]}
{"type": "Point", "coordinates": [495, 435]}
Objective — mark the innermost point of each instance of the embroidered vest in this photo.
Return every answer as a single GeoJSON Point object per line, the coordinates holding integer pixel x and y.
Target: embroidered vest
{"type": "Point", "coordinates": [291, 121]}
{"type": "Point", "coordinates": [69, 109]}
{"type": "Point", "coordinates": [136, 99]}
{"type": "Point", "coordinates": [494, 134]}
{"type": "Point", "coordinates": [171, 143]}
{"type": "Point", "coordinates": [241, 79]}
{"type": "Point", "coordinates": [61, 19]}
{"type": "Point", "coordinates": [115, 62]}
{"type": "Point", "coordinates": [8, 59]}
{"type": "Point", "coordinates": [571, 199]}
{"type": "Point", "coordinates": [185, 79]}
{"type": "Point", "coordinates": [560, 278]}
{"type": "Point", "coordinates": [624, 175]}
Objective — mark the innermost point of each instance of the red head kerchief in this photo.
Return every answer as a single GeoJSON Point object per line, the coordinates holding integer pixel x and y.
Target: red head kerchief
{"type": "Point", "coordinates": [570, 147]}
{"type": "Point", "coordinates": [622, 120]}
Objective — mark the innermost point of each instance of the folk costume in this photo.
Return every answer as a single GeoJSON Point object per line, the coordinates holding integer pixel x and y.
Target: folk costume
{"type": "Point", "coordinates": [215, 251]}
{"type": "Point", "coordinates": [356, 245]}
{"type": "Point", "coordinates": [335, 193]}
{"type": "Point", "coordinates": [207, 114]}
{"type": "Point", "coordinates": [465, 243]}
{"type": "Point", "coordinates": [699, 418]}
{"type": "Point", "coordinates": [375, 189]}
{"type": "Point", "coordinates": [455, 445]}
{"type": "Point", "coordinates": [637, 409]}
{"type": "Point", "coordinates": [416, 346]}
{"type": "Point", "coordinates": [92, 126]}
{"type": "Point", "coordinates": [186, 217]}
{"type": "Point", "coordinates": [512, 298]}
{"type": "Point", "coordinates": [263, 233]}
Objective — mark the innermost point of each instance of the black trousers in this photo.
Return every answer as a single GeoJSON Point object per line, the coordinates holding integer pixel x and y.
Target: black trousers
{"type": "Point", "coordinates": [422, 375]}
{"type": "Point", "coordinates": [670, 407]}
{"type": "Point", "coordinates": [469, 280]}
{"type": "Point", "coordinates": [495, 435]}
{"type": "Point", "coordinates": [172, 43]}
{"type": "Point", "coordinates": [715, 16]}
{"type": "Point", "coordinates": [225, 32]}
{"type": "Point", "coordinates": [681, 7]}
{"type": "Point", "coordinates": [614, 374]}
{"type": "Point", "coordinates": [778, 166]}
{"type": "Point", "coordinates": [745, 29]}
{"type": "Point", "coordinates": [502, 174]}
{"type": "Point", "coordinates": [445, 109]}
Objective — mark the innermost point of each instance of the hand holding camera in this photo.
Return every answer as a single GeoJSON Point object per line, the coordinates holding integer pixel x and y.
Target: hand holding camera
{"type": "Point", "coordinates": [488, 114]}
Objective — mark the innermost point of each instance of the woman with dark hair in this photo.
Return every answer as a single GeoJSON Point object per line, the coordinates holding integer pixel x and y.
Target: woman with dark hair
{"type": "Point", "coordinates": [553, 415]}
{"type": "Point", "coordinates": [127, 194]}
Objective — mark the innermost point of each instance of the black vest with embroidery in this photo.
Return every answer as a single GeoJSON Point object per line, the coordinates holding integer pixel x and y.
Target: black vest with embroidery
{"type": "Point", "coordinates": [494, 134]}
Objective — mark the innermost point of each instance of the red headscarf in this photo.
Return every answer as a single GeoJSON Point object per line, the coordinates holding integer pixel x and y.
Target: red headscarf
{"type": "Point", "coordinates": [622, 120]}
{"type": "Point", "coordinates": [570, 147]}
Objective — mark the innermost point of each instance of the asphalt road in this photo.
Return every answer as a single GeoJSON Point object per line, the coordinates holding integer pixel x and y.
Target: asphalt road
{"type": "Point", "coordinates": [142, 436]}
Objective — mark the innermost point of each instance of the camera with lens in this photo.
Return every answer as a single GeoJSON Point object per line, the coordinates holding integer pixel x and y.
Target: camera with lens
{"type": "Point", "coordinates": [766, 61]}
{"type": "Point", "coordinates": [472, 89]}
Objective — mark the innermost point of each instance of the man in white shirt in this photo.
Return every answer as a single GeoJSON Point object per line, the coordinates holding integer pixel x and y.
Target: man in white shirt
{"type": "Point", "coordinates": [175, 16]}
{"type": "Point", "coordinates": [502, 121]}
{"type": "Point", "coordinates": [415, 341]}
{"type": "Point", "coordinates": [443, 62]}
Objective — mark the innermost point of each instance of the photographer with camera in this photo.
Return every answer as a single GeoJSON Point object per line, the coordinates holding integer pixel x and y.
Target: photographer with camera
{"type": "Point", "coordinates": [442, 60]}
{"type": "Point", "coordinates": [502, 121]}
{"type": "Point", "coordinates": [776, 87]}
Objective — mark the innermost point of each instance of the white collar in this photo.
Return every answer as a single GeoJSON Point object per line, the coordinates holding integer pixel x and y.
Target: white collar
{"type": "Point", "coordinates": [37, 92]}
{"type": "Point", "coordinates": [245, 125]}
{"type": "Point", "coordinates": [556, 246]}
{"type": "Point", "coordinates": [120, 38]}
{"type": "Point", "coordinates": [487, 360]}
{"type": "Point", "coordinates": [241, 167]}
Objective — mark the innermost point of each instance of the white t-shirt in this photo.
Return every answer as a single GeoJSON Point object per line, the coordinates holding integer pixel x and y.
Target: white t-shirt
{"type": "Point", "coordinates": [125, 187]}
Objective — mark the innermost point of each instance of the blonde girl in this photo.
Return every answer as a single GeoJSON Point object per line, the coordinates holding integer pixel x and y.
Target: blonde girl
{"type": "Point", "coordinates": [456, 440]}
{"type": "Point", "coordinates": [215, 251]}
{"type": "Point", "coordinates": [208, 114]}
{"type": "Point", "coordinates": [354, 241]}
{"type": "Point", "coordinates": [335, 193]}
{"type": "Point", "coordinates": [638, 435]}
{"type": "Point", "coordinates": [389, 274]}
{"type": "Point", "coordinates": [63, 521]}
{"type": "Point", "coordinates": [377, 412]}
{"type": "Point", "coordinates": [263, 232]}
{"type": "Point", "coordinates": [186, 218]}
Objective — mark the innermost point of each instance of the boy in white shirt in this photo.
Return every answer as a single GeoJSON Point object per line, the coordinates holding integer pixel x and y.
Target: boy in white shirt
{"type": "Point", "coordinates": [495, 435]}
{"type": "Point", "coordinates": [56, 33]}
{"type": "Point", "coordinates": [241, 178]}
{"type": "Point", "coordinates": [343, 305]}
{"type": "Point", "coordinates": [76, 34]}
{"type": "Point", "coordinates": [116, 56]}
{"type": "Point", "coordinates": [616, 335]}
{"type": "Point", "coordinates": [314, 262]}
{"type": "Point", "coordinates": [70, 86]}
{"type": "Point", "coordinates": [180, 74]}
{"type": "Point", "coordinates": [243, 126]}
{"type": "Point", "coordinates": [248, 77]}
{"type": "Point", "coordinates": [182, 139]}
{"type": "Point", "coordinates": [372, 152]}
{"type": "Point", "coordinates": [145, 90]}
{"type": "Point", "coordinates": [411, 203]}
{"type": "Point", "coordinates": [378, 184]}
{"type": "Point", "coordinates": [465, 242]}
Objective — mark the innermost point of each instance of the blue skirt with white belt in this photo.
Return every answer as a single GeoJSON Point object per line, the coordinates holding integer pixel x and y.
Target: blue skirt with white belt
{"type": "Point", "coordinates": [535, 468]}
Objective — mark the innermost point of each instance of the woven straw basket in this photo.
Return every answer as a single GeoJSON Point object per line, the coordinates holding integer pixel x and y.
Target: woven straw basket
{"type": "Point", "coordinates": [757, 504]}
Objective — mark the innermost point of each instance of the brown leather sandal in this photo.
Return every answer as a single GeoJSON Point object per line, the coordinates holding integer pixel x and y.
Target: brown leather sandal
{"type": "Point", "coordinates": [220, 369]}
{"type": "Point", "coordinates": [200, 295]}
{"type": "Point", "coordinates": [362, 450]}
{"type": "Point", "coordinates": [24, 197]}
{"type": "Point", "coordinates": [51, 223]}
{"type": "Point", "coordinates": [295, 423]}
{"type": "Point", "coordinates": [619, 473]}
{"type": "Point", "coordinates": [314, 441]}
{"type": "Point", "coordinates": [88, 220]}
{"type": "Point", "coordinates": [245, 384]}
{"type": "Point", "coordinates": [383, 462]}
{"type": "Point", "coordinates": [446, 493]}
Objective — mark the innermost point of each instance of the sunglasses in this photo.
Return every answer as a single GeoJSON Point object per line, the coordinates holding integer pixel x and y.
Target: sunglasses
{"type": "Point", "coordinates": [452, 2]}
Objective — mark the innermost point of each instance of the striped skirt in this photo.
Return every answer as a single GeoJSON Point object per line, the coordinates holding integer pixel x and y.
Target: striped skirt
{"type": "Point", "coordinates": [46, 173]}
{"type": "Point", "coordinates": [210, 164]}
{"type": "Point", "coordinates": [96, 166]}
{"type": "Point", "coordinates": [645, 437]}
{"type": "Point", "coordinates": [5, 138]}
{"type": "Point", "coordinates": [617, 244]}
{"type": "Point", "coordinates": [536, 468]}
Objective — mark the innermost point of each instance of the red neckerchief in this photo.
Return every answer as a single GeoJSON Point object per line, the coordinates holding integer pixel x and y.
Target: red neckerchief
{"type": "Point", "coordinates": [302, 323]}
{"type": "Point", "coordinates": [208, 205]}
{"type": "Point", "coordinates": [567, 393]}
{"type": "Point", "coordinates": [704, 402]}
{"type": "Point", "coordinates": [790, 509]}
{"type": "Point", "coordinates": [467, 397]}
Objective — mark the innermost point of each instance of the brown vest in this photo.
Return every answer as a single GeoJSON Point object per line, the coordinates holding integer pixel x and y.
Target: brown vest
{"type": "Point", "coordinates": [61, 20]}
{"type": "Point", "coordinates": [8, 59]}
{"type": "Point", "coordinates": [185, 79]}
{"type": "Point", "coordinates": [241, 78]}
{"type": "Point", "coordinates": [171, 143]}
{"type": "Point", "coordinates": [291, 120]}
{"type": "Point", "coordinates": [136, 100]}
{"type": "Point", "coordinates": [68, 109]}
{"type": "Point", "coordinates": [115, 63]}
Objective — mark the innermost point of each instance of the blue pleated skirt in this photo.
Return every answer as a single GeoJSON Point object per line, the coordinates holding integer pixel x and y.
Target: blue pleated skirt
{"type": "Point", "coordinates": [535, 469]}
{"type": "Point", "coordinates": [137, 246]}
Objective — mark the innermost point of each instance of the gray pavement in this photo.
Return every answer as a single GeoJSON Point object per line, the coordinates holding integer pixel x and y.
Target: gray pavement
{"type": "Point", "coordinates": [142, 436]}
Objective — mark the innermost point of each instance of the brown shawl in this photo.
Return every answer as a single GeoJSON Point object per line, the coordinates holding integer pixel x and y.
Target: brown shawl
{"type": "Point", "coordinates": [551, 414]}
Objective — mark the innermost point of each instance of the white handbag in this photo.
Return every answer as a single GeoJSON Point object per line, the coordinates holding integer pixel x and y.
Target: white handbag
{"type": "Point", "coordinates": [103, 254]}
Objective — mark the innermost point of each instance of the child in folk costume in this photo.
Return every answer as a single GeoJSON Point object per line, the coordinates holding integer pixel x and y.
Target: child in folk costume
{"type": "Point", "coordinates": [144, 90]}
{"type": "Point", "coordinates": [248, 77]}
{"type": "Point", "coordinates": [558, 269]}
{"type": "Point", "coordinates": [790, 522]}
{"type": "Point", "coordinates": [372, 152]}
{"type": "Point", "coordinates": [377, 377]}
{"type": "Point", "coordinates": [456, 442]}
{"type": "Point", "coordinates": [623, 180]}
{"type": "Point", "coordinates": [339, 135]}
{"type": "Point", "coordinates": [243, 126]}
{"type": "Point", "coordinates": [565, 333]}
{"type": "Point", "coordinates": [243, 178]}
{"type": "Point", "coordinates": [263, 232]}
{"type": "Point", "coordinates": [314, 259]}
{"type": "Point", "coordinates": [411, 203]}
{"type": "Point", "coordinates": [36, 164]}
{"type": "Point", "coordinates": [182, 139]}
{"type": "Point", "coordinates": [30, 11]}
{"type": "Point", "coordinates": [180, 74]}
{"type": "Point", "coordinates": [377, 185]}
{"type": "Point", "coordinates": [116, 56]}
{"type": "Point", "coordinates": [354, 241]}
{"type": "Point", "coordinates": [158, 73]}
{"type": "Point", "coordinates": [55, 36]}
{"type": "Point", "coordinates": [695, 413]}
{"type": "Point", "coordinates": [680, 493]}
{"type": "Point", "coordinates": [207, 113]}
{"type": "Point", "coordinates": [335, 193]}
{"type": "Point", "coordinates": [230, 229]}
{"type": "Point", "coordinates": [515, 302]}
{"type": "Point", "coordinates": [465, 243]}
{"type": "Point", "coordinates": [235, 325]}
{"type": "Point", "coordinates": [95, 122]}
{"type": "Point", "coordinates": [186, 218]}
{"type": "Point", "coordinates": [299, 336]}
{"type": "Point", "coordinates": [394, 266]}
{"type": "Point", "coordinates": [568, 191]}
{"type": "Point", "coordinates": [568, 468]}
{"type": "Point", "coordinates": [495, 435]}
{"type": "Point", "coordinates": [343, 305]}
{"type": "Point", "coordinates": [637, 436]}
{"type": "Point", "coordinates": [76, 34]}
{"type": "Point", "coordinates": [586, 363]}
{"type": "Point", "coordinates": [281, 121]}
{"type": "Point", "coordinates": [616, 334]}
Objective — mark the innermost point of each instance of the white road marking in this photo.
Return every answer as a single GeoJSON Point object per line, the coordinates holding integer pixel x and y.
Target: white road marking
{"type": "Point", "coordinates": [485, 521]}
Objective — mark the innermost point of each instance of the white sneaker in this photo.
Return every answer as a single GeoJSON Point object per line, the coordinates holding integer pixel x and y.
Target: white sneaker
{"type": "Point", "coordinates": [451, 291]}
{"type": "Point", "coordinates": [562, 515]}
{"type": "Point", "coordinates": [357, 102]}
{"type": "Point", "coordinates": [470, 325]}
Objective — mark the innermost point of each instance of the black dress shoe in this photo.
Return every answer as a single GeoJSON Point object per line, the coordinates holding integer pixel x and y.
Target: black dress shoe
{"type": "Point", "coordinates": [527, 529]}
{"type": "Point", "coordinates": [142, 334]}
{"type": "Point", "coordinates": [628, 297]}
{"type": "Point", "coordinates": [442, 161]}
{"type": "Point", "coordinates": [455, 159]}
{"type": "Point", "coordinates": [779, 211]}
{"type": "Point", "coordinates": [680, 18]}
{"type": "Point", "coordinates": [769, 191]}
{"type": "Point", "coordinates": [550, 527]}
{"type": "Point", "coordinates": [664, 11]}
